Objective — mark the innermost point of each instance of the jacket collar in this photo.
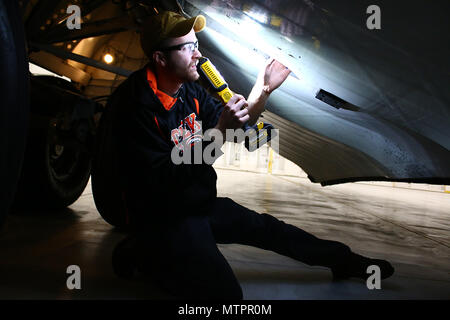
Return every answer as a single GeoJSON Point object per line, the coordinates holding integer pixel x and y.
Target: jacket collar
{"type": "Point", "coordinates": [166, 100]}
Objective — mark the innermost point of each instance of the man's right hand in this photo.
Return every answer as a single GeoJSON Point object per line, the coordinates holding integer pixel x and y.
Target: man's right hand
{"type": "Point", "coordinates": [234, 114]}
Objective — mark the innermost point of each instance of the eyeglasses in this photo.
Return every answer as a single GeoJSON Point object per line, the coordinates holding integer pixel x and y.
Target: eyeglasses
{"type": "Point", "coordinates": [192, 46]}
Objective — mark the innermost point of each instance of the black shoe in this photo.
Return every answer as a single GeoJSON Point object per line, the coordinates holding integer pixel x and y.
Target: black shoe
{"type": "Point", "coordinates": [356, 267]}
{"type": "Point", "coordinates": [125, 258]}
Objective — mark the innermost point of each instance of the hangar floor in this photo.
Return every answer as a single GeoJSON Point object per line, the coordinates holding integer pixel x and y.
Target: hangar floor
{"type": "Point", "coordinates": [410, 228]}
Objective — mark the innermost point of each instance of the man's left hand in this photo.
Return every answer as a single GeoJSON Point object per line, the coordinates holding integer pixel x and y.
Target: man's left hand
{"type": "Point", "coordinates": [274, 75]}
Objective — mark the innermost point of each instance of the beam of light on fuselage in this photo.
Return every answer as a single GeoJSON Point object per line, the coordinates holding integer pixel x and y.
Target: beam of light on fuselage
{"type": "Point", "coordinates": [253, 34]}
{"type": "Point", "coordinates": [237, 53]}
{"type": "Point", "coordinates": [245, 28]}
{"type": "Point", "coordinates": [253, 62]}
{"type": "Point", "coordinates": [312, 68]}
{"type": "Point", "coordinates": [248, 44]}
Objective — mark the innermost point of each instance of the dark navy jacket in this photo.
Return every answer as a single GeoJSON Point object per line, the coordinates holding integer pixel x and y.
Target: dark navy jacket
{"type": "Point", "coordinates": [147, 125]}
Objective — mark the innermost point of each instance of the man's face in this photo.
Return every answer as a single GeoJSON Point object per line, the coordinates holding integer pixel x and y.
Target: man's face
{"type": "Point", "coordinates": [183, 63]}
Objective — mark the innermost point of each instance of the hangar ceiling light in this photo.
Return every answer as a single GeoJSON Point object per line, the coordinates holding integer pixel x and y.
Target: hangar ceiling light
{"type": "Point", "coordinates": [108, 58]}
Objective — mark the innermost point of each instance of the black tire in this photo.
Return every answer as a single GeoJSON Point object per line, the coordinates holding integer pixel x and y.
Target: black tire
{"type": "Point", "coordinates": [14, 92]}
{"type": "Point", "coordinates": [56, 169]}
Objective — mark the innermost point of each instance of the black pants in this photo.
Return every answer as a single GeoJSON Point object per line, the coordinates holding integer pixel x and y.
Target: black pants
{"type": "Point", "coordinates": [183, 258]}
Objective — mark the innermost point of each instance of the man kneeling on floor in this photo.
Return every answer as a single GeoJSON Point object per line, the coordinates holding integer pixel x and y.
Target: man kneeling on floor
{"type": "Point", "coordinates": [174, 213]}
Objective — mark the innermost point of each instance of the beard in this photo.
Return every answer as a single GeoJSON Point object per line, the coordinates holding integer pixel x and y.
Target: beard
{"type": "Point", "coordinates": [194, 76]}
{"type": "Point", "coordinates": [190, 74]}
{"type": "Point", "coordinates": [184, 73]}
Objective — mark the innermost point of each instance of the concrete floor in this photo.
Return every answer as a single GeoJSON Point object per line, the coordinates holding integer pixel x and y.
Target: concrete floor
{"type": "Point", "coordinates": [410, 228]}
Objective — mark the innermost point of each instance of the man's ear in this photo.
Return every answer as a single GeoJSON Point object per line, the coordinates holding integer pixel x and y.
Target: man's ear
{"type": "Point", "coordinates": [159, 58]}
